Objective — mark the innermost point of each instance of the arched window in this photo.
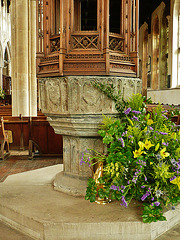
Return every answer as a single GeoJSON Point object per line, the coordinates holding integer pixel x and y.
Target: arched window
{"type": "Point", "coordinates": [85, 15]}
{"type": "Point", "coordinates": [114, 16]}
{"type": "Point", "coordinates": [55, 29]}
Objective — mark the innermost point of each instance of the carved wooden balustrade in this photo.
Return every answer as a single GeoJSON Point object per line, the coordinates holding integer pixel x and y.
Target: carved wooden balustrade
{"type": "Point", "coordinates": [67, 47]}
{"type": "Point", "coordinates": [85, 40]}
{"type": "Point", "coordinates": [116, 42]}
{"type": "Point", "coordinates": [55, 43]}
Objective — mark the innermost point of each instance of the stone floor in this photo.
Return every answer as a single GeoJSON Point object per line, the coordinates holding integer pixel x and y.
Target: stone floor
{"type": "Point", "coordinates": [18, 162]}
{"type": "Point", "coordinates": [173, 234]}
{"type": "Point", "coordinates": [7, 233]}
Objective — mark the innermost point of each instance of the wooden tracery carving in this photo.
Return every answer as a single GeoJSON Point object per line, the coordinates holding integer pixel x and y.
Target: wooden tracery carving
{"type": "Point", "coordinates": [66, 30]}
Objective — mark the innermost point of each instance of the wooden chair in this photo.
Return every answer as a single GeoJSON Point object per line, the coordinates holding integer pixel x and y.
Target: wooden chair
{"type": "Point", "coordinates": [4, 141]}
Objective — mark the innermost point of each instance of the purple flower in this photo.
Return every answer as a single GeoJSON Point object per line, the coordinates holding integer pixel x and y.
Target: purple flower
{"type": "Point", "coordinates": [142, 186]}
{"type": "Point", "coordinates": [157, 204]}
{"type": "Point", "coordinates": [136, 112]}
{"type": "Point", "coordinates": [123, 187]}
{"type": "Point", "coordinates": [135, 118]}
{"type": "Point", "coordinates": [127, 111]}
{"type": "Point", "coordinates": [145, 195]}
{"type": "Point", "coordinates": [128, 182]}
{"type": "Point", "coordinates": [82, 159]}
{"type": "Point", "coordinates": [122, 142]}
{"type": "Point", "coordinates": [151, 128]}
{"type": "Point", "coordinates": [164, 116]}
{"type": "Point", "coordinates": [113, 187]}
{"type": "Point", "coordinates": [165, 111]}
{"type": "Point", "coordinates": [145, 178]}
{"type": "Point", "coordinates": [165, 144]}
{"type": "Point", "coordinates": [124, 203]}
{"type": "Point", "coordinates": [172, 178]}
{"type": "Point", "coordinates": [152, 199]}
{"type": "Point", "coordinates": [163, 133]}
{"type": "Point", "coordinates": [130, 136]}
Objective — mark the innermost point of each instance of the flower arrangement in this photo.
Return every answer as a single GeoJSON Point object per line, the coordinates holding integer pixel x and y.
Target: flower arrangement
{"type": "Point", "coordinates": [142, 160]}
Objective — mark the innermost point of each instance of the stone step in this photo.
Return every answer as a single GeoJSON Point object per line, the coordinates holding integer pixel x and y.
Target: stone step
{"type": "Point", "coordinates": [44, 214]}
{"type": "Point", "coordinates": [8, 233]}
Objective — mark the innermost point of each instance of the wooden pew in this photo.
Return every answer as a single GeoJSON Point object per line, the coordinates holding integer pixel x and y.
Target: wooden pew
{"type": "Point", "coordinates": [4, 142]}
{"type": "Point", "coordinates": [42, 139]}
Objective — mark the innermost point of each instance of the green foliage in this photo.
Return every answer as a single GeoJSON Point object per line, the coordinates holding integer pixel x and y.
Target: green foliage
{"type": "Point", "coordinates": [142, 159]}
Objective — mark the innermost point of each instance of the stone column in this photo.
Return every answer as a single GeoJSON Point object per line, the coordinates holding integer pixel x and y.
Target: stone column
{"type": "Point", "coordinates": [74, 109]}
{"type": "Point", "coordinates": [24, 90]}
{"type": "Point", "coordinates": [1, 72]}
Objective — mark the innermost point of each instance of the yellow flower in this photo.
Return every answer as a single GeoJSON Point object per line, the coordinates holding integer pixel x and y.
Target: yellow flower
{"type": "Point", "coordinates": [176, 181]}
{"type": "Point", "coordinates": [148, 144]}
{"type": "Point", "coordinates": [163, 153]}
{"type": "Point", "coordinates": [157, 147]}
{"type": "Point", "coordinates": [173, 135]}
{"type": "Point", "coordinates": [141, 145]}
{"type": "Point", "coordinates": [137, 153]}
{"type": "Point", "coordinates": [150, 122]}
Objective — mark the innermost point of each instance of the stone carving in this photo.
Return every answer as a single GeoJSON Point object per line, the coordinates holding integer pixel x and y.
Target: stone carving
{"type": "Point", "coordinates": [91, 99]}
{"type": "Point", "coordinates": [43, 95]}
{"type": "Point", "coordinates": [53, 90]}
{"type": "Point", "coordinates": [75, 95]}
{"type": "Point", "coordinates": [66, 154]}
{"type": "Point", "coordinates": [64, 95]}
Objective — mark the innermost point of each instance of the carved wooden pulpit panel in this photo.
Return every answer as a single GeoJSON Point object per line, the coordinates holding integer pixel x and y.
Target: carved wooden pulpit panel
{"type": "Point", "coordinates": [87, 37]}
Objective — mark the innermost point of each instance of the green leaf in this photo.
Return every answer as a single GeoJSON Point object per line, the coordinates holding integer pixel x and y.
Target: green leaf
{"type": "Point", "coordinates": [92, 198]}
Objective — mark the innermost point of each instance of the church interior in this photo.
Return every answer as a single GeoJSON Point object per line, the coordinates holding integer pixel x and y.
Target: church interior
{"type": "Point", "coordinates": [50, 53]}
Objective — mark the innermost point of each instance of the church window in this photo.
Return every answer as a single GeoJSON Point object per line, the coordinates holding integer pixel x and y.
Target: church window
{"type": "Point", "coordinates": [56, 17]}
{"type": "Point", "coordinates": [114, 16]}
{"type": "Point", "coordinates": [85, 14]}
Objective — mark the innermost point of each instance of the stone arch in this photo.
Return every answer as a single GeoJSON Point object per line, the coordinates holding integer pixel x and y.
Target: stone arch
{"type": "Point", "coordinates": [6, 81]}
{"type": "Point", "coordinates": [6, 66]}
{"type": "Point", "coordinates": [155, 53]}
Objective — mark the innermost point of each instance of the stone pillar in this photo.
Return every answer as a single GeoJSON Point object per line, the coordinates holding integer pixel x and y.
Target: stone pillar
{"type": "Point", "coordinates": [74, 109]}
{"type": "Point", "coordinates": [1, 72]}
{"type": "Point", "coordinates": [24, 90]}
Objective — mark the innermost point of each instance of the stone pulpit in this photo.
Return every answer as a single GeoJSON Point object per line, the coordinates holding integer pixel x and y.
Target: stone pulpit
{"type": "Point", "coordinates": [80, 41]}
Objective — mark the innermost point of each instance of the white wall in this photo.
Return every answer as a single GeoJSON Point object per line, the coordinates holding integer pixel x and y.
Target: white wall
{"type": "Point", "coordinates": [168, 96]}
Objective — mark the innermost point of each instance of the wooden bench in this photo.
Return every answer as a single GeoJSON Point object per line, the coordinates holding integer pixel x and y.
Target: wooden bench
{"type": "Point", "coordinates": [4, 141]}
{"type": "Point", "coordinates": [42, 139]}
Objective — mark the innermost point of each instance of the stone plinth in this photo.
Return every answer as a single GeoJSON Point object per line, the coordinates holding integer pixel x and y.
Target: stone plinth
{"type": "Point", "coordinates": [74, 109]}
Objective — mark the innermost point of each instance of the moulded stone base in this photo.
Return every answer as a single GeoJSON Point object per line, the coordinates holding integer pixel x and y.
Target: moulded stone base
{"type": "Point", "coordinates": [45, 214]}
{"type": "Point", "coordinates": [71, 184]}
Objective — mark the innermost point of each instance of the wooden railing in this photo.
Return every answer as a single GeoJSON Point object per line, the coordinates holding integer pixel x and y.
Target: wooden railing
{"type": "Point", "coordinates": [85, 40]}
{"type": "Point", "coordinates": [55, 43]}
{"type": "Point", "coordinates": [116, 42]}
